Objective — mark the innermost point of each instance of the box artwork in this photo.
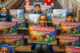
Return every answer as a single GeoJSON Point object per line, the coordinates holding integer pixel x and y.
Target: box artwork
{"type": "Point", "coordinates": [67, 40]}
{"type": "Point", "coordinates": [12, 40]}
{"type": "Point", "coordinates": [72, 49]}
{"type": "Point", "coordinates": [17, 13]}
{"type": "Point", "coordinates": [43, 35]}
{"type": "Point", "coordinates": [8, 28]}
{"type": "Point", "coordinates": [21, 23]}
{"type": "Point", "coordinates": [70, 28]}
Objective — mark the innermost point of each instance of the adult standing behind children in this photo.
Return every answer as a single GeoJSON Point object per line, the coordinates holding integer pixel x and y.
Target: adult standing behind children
{"type": "Point", "coordinates": [4, 15]}
{"type": "Point", "coordinates": [37, 2]}
{"type": "Point", "coordinates": [27, 3]}
{"type": "Point", "coordinates": [49, 2]}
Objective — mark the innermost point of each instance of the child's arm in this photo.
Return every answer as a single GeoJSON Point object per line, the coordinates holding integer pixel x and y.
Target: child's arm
{"type": "Point", "coordinates": [9, 18]}
{"type": "Point", "coordinates": [52, 4]}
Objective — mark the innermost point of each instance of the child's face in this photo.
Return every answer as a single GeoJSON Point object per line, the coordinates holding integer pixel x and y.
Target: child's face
{"type": "Point", "coordinates": [18, 42]}
{"type": "Point", "coordinates": [37, 0]}
{"type": "Point", "coordinates": [43, 21]}
{"type": "Point", "coordinates": [27, 0]}
{"type": "Point", "coordinates": [37, 9]}
{"type": "Point", "coordinates": [4, 50]}
{"type": "Point", "coordinates": [3, 10]}
{"type": "Point", "coordinates": [69, 18]}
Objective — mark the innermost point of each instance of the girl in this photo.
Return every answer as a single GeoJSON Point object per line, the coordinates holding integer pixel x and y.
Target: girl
{"type": "Point", "coordinates": [6, 49]}
{"type": "Point", "coordinates": [4, 16]}
{"type": "Point", "coordinates": [42, 48]}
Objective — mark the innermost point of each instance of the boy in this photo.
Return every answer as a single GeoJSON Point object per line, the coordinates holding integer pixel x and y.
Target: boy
{"type": "Point", "coordinates": [4, 16]}
{"type": "Point", "coordinates": [37, 9]}
{"type": "Point", "coordinates": [70, 18]}
{"type": "Point", "coordinates": [42, 48]}
{"type": "Point", "coordinates": [37, 2]}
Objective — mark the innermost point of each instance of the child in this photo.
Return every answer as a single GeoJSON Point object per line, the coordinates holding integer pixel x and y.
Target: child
{"type": "Point", "coordinates": [37, 9]}
{"type": "Point", "coordinates": [27, 3]}
{"type": "Point", "coordinates": [37, 2]}
{"type": "Point", "coordinates": [49, 2]}
{"type": "Point", "coordinates": [4, 16]}
{"type": "Point", "coordinates": [43, 20]}
{"type": "Point", "coordinates": [42, 48]}
{"type": "Point", "coordinates": [6, 49]}
{"type": "Point", "coordinates": [70, 18]}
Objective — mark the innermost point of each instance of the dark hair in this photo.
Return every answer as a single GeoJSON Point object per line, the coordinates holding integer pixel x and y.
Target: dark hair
{"type": "Point", "coordinates": [43, 15]}
{"type": "Point", "coordinates": [37, 5]}
{"type": "Point", "coordinates": [69, 14]}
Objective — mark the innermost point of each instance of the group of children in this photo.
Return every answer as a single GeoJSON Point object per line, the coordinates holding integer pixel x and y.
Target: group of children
{"type": "Point", "coordinates": [38, 48]}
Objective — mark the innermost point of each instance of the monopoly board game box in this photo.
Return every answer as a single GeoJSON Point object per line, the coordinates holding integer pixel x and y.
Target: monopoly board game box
{"type": "Point", "coordinates": [44, 8]}
{"type": "Point", "coordinates": [29, 9]}
{"type": "Point", "coordinates": [72, 49]}
{"type": "Point", "coordinates": [22, 27]}
{"type": "Point", "coordinates": [12, 40]}
{"type": "Point", "coordinates": [42, 35]}
{"type": "Point", "coordinates": [8, 28]}
{"type": "Point", "coordinates": [21, 23]}
{"type": "Point", "coordinates": [59, 15]}
{"type": "Point", "coordinates": [17, 13]}
{"type": "Point", "coordinates": [70, 28]}
{"type": "Point", "coordinates": [67, 40]}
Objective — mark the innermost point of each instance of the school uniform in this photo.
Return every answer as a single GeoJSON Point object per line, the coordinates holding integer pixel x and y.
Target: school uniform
{"type": "Point", "coordinates": [7, 16]}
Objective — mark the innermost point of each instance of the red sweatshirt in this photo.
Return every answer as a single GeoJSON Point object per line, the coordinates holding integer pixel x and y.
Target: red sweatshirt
{"type": "Point", "coordinates": [27, 4]}
{"type": "Point", "coordinates": [49, 3]}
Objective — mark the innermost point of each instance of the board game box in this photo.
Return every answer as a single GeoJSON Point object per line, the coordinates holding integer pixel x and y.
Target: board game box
{"type": "Point", "coordinates": [70, 28]}
{"type": "Point", "coordinates": [29, 9]}
{"type": "Point", "coordinates": [72, 49]}
{"type": "Point", "coordinates": [67, 40]}
{"type": "Point", "coordinates": [8, 28]}
{"type": "Point", "coordinates": [49, 17]}
{"type": "Point", "coordinates": [21, 23]}
{"type": "Point", "coordinates": [42, 35]}
{"type": "Point", "coordinates": [59, 15]}
{"type": "Point", "coordinates": [44, 8]}
{"type": "Point", "coordinates": [22, 26]}
{"type": "Point", "coordinates": [12, 40]}
{"type": "Point", "coordinates": [17, 13]}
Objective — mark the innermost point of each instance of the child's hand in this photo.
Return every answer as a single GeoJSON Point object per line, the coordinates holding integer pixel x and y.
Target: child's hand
{"type": "Point", "coordinates": [29, 41]}
{"type": "Point", "coordinates": [52, 4]}
{"type": "Point", "coordinates": [4, 19]}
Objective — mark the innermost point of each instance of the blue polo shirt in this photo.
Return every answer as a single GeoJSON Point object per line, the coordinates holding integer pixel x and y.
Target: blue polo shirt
{"type": "Point", "coordinates": [7, 16]}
